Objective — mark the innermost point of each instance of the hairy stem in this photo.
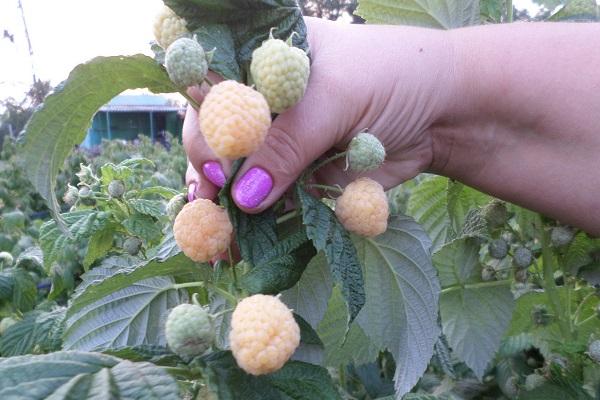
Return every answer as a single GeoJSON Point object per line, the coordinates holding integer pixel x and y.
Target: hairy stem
{"type": "Point", "coordinates": [478, 285]}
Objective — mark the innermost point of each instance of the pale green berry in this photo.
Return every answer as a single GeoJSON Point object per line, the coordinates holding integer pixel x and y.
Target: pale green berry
{"type": "Point", "coordinates": [71, 195]}
{"type": "Point", "coordinates": [561, 236]}
{"type": "Point", "coordinates": [132, 245]}
{"type": "Point", "coordinates": [116, 189]}
{"type": "Point", "coordinates": [189, 330]}
{"type": "Point", "coordinates": [522, 257]}
{"type": "Point", "coordinates": [498, 248]}
{"type": "Point", "coordinates": [365, 153]}
{"type": "Point", "coordinates": [280, 72]}
{"type": "Point", "coordinates": [186, 62]}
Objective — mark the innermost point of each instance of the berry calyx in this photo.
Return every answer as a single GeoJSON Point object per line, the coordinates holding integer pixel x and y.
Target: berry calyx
{"type": "Point", "coordinates": [363, 208]}
{"type": "Point", "coordinates": [202, 230]}
{"type": "Point", "coordinates": [234, 119]}
{"type": "Point", "coordinates": [264, 334]}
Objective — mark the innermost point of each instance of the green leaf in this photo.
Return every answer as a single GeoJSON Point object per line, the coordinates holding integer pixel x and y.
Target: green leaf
{"type": "Point", "coordinates": [309, 297]}
{"type": "Point", "coordinates": [578, 10]}
{"type": "Point", "coordinates": [296, 380]}
{"type": "Point", "coordinates": [307, 333]}
{"type": "Point", "coordinates": [256, 234]}
{"type": "Point", "coordinates": [401, 312]}
{"type": "Point", "coordinates": [328, 235]}
{"type": "Point", "coordinates": [158, 355]}
{"type": "Point", "coordinates": [31, 259]}
{"type": "Point", "coordinates": [7, 282]}
{"type": "Point", "coordinates": [474, 318]}
{"type": "Point", "coordinates": [428, 205]}
{"type": "Point", "coordinates": [281, 268]}
{"type": "Point", "coordinates": [80, 225]}
{"type": "Point", "coordinates": [446, 14]}
{"type": "Point", "coordinates": [99, 245]}
{"type": "Point", "coordinates": [152, 208]}
{"type": "Point", "coordinates": [41, 329]}
{"type": "Point", "coordinates": [220, 38]}
{"type": "Point", "coordinates": [24, 291]}
{"type": "Point", "coordinates": [62, 121]}
{"type": "Point", "coordinates": [165, 193]}
{"type": "Point", "coordinates": [461, 201]}
{"type": "Point", "coordinates": [144, 227]}
{"type": "Point", "coordinates": [79, 375]}
{"type": "Point", "coordinates": [343, 346]}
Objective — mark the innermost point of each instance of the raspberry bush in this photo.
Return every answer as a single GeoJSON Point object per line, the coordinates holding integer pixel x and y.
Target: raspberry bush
{"type": "Point", "coordinates": [431, 288]}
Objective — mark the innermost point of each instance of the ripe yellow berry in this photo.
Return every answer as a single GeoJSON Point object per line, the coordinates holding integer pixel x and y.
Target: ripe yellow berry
{"type": "Point", "coordinates": [202, 230]}
{"type": "Point", "coordinates": [363, 208]}
{"type": "Point", "coordinates": [264, 334]}
{"type": "Point", "coordinates": [168, 27]}
{"type": "Point", "coordinates": [234, 119]}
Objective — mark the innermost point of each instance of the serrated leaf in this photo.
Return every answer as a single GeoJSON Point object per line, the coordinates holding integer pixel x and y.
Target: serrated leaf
{"type": "Point", "coordinates": [131, 316]}
{"type": "Point", "coordinates": [296, 380]}
{"type": "Point", "coordinates": [158, 355]}
{"type": "Point", "coordinates": [31, 258]}
{"type": "Point", "coordinates": [98, 246]}
{"type": "Point", "coordinates": [446, 14]}
{"type": "Point", "coordinates": [256, 234]}
{"type": "Point", "coordinates": [153, 208]}
{"type": "Point", "coordinates": [328, 235]}
{"type": "Point", "coordinates": [461, 201]}
{"type": "Point", "coordinates": [428, 205]}
{"type": "Point", "coordinates": [62, 121]}
{"type": "Point", "coordinates": [7, 282]}
{"type": "Point", "coordinates": [578, 10]}
{"type": "Point", "coordinates": [41, 329]}
{"type": "Point", "coordinates": [401, 312]}
{"type": "Point", "coordinates": [80, 225]}
{"type": "Point", "coordinates": [309, 297]}
{"type": "Point", "coordinates": [79, 375]}
{"type": "Point", "coordinates": [342, 345]}
{"type": "Point", "coordinates": [24, 291]}
{"type": "Point", "coordinates": [220, 38]}
{"type": "Point", "coordinates": [474, 318]}
{"type": "Point", "coordinates": [143, 226]}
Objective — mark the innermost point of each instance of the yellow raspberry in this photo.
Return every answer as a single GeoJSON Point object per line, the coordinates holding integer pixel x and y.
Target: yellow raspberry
{"type": "Point", "coordinates": [168, 27]}
{"type": "Point", "coordinates": [234, 119]}
{"type": "Point", "coordinates": [202, 230]}
{"type": "Point", "coordinates": [264, 334]}
{"type": "Point", "coordinates": [363, 208]}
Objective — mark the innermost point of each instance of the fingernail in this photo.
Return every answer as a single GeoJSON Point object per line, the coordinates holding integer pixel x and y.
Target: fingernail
{"type": "Point", "coordinates": [192, 192]}
{"type": "Point", "coordinates": [253, 187]}
{"type": "Point", "coordinates": [213, 172]}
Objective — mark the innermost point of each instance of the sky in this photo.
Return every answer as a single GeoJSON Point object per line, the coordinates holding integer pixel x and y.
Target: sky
{"type": "Point", "coordinates": [65, 33]}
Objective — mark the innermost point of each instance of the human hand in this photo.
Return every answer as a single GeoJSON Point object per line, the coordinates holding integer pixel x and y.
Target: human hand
{"type": "Point", "coordinates": [395, 81]}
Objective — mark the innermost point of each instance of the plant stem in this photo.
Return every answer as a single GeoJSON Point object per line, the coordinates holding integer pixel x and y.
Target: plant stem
{"type": "Point", "coordinates": [190, 100]}
{"type": "Point", "coordinates": [176, 371]}
{"type": "Point", "coordinates": [325, 162]}
{"type": "Point", "coordinates": [208, 81]}
{"type": "Point", "coordinates": [476, 285]}
{"type": "Point", "coordinates": [509, 11]}
{"type": "Point", "coordinates": [232, 265]}
{"type": "Point", "coordinates": [189, 284]}
{"type": "Point", "coordinates": [324, 187]}
{"type": "Point", "coordinates": [550, 286]}
{"type": "Point", "coordinates": [288, 216]}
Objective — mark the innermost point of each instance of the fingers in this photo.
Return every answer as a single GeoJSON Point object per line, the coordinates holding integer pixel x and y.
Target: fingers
{"type": "Point", "coordinates": [198, 186]}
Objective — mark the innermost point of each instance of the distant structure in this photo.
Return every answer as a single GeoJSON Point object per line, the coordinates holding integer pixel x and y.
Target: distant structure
{"type": "Point", "coordinates": [126, 117]}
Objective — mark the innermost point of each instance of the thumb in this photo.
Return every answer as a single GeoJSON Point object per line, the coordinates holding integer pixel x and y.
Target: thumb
{"type": "Point", "coordinates": [292, 144]}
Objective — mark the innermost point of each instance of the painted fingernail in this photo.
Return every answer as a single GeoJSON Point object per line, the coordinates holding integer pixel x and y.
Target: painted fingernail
{"type": "Point", "coordinates": [253, 187]}
{"type": "Point", "coordinates": [213, 172]}
{"type": "Point", "coordinates": [192, 191]}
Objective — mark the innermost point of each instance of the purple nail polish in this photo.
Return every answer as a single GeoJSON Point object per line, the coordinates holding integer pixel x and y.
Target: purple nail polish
{"type": "Point", "coordinates": [192, 192]}
{"type": "Point", "coordinates": [213, 172]}
{"type": "Point", "coordinates": [253, 187]}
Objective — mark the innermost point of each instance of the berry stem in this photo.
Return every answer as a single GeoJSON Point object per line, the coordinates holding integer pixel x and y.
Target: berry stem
{"type": "Point", "coordinates": [286, 217]}
{"type": "Point", "coordinates": [221, 313]}
{"type": "Point", "coordinates": [476, 285]}
{"type": "Point", "coordinates": [208, 81]}
{"type": "Point", "coordinates": [325, 162]}
{"type": "Point", "coordinates": [190, 100]}
{"type": "Point", "coordinates": [324, 187]}
{"type": "Point", "coordinates": [232, 265]}
{"type": "Point", "coordinates": [182, 372]}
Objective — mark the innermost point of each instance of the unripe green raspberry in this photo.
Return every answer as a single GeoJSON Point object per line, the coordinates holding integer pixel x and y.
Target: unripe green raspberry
{"type": "Point", "coordinates": [6, 259]}
{"type": "Point", "coordinates": [189, 330]}
{"type": "Point", "coordinates": [168, 27]}
{"type": "Point", "coordinates": [365, 153]}
{"type": "Point", "coordinates": [487, 273]}
{"type": "Point", "coordinates": [533, 381]}
{"type": "Point", "coordinates": [234, 119]}
{"type": "Point", "coordinates": [84, 192]}
{"type": "Point", "coordinates": [522, 257]}
{"type": "Point", "coordinates": [280, 72]}
{"type": "Point", "coordinates": [132, 245]}
{"type": "Point", "coordinates": [71, 195]}
{"type": "Point", "coordinates": [498, 249]}
{"type": "Point", "coordinates": [264, 334]}
{"type": "Point", "coordinates": [175, 205]}
{"type": "Point", "coordinates": [561, 236]}
{"type": "Point", "coordinates": [186, 63]}
{"type": "Point", "coordinates": [594, 351]}
{"type": "Point", "coordinates": [202, 230]}
{"type": "Point", "coordinates": [495, 213]}
{"type": "Point", "coordinates": [363, 208]}
{"type": "Point", "coordinates": [116, 189]}
{"type": "Point", "coordinates": [6, 323]}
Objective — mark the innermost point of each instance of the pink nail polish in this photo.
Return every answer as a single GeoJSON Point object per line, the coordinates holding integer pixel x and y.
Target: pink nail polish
{"type": "Point", "coordinates": [192, 192]}
{"type": "Point", "coordinates": [253, 187]}
{"type": "Point", "coordinates": [213, 172]}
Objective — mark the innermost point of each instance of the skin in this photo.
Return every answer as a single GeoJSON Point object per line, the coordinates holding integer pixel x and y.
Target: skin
{"type": "Point", "coordinates": [512, 110]}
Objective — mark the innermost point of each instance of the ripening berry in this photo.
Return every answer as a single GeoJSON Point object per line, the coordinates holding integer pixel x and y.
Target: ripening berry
{"type": "Point", "coordinates": [234, 119]}
{"type": "Point", "coordinates": [202, 230]}
{"type": "Point", "coordinates": [189, 330]}
{"type": "Point", "coordinates": [498, 249]}
{"type": "Point", "coordinates": [522, 257]}
{"type": "Point", "coordinates": [365, 153]}
{"type": "Point", "coordinates": [280, 72]}
{"type": "Point", "coordinates": [186, 63]}
{"type": "Point", "coordinates": [132, 245]}
{"type": "Point", "coordinates": [264, 334]}
{"type": "Point", "coordinates": [561, 236]}
{"type": "Point", "coordinates": [116, 189]}
{"type": "Point", "coordinates": [168, 27]}
{"type": "Point", "coordinates": [363, 208]}
{"type": "Point", "coordinates": [71, 195]}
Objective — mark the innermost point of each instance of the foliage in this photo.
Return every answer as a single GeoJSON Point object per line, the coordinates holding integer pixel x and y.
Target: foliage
{"type": "Point", "coordinates": [423, 308]}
